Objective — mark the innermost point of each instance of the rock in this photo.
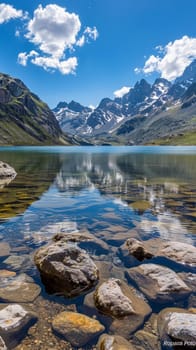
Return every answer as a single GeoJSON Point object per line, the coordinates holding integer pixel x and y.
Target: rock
{"type": "Point", "coordinates": [121, 302]}
{"type": "Point", "coordinates": [160, 284]}
{"type": "Point", "coordinates": [7, 273]}
{"type": "Point", "coordinates": [178, 252]}
{"type": "Point", "coordinates": [18, 262]}
{"type": "Point", "coordinates": [4, 249]}
{"type": "Point", "coordinates": [111, 300]}
{"type": "Point", "coordinates": [2, 344]}
{"type": "Point", "coordinates": [188, 278]}
{"type": "Point", "coordinates": [177, 325]}
{"type": "Point", "coordinates": [181, 253]}
{"type": "Point", "coordinates": [14, 323]}
{"type": "Point", "coordinates": [138, 250]}
{"type": "Point", "coordinates": [146, 340]}
{"type": "Point", "coordinates": [76, 328]}
{"type": "Point", "coordinates": [66, 269]}
{"type": "Point", "coordinates": [85, 241]}
{"type": "Point", "coordinates": [6, 171]}
{"type": "Point", "coordinates": [19, 289]}
{"type": "Point", "coordinates": [113, 342]}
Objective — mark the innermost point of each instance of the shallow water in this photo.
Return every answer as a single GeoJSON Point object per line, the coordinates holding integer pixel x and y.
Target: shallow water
{"type": "Point", "coordinates": [110, 191]}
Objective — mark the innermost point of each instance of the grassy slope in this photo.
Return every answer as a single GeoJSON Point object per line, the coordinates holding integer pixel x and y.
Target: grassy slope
{"type": "Point", "coordinates": [187, 139]}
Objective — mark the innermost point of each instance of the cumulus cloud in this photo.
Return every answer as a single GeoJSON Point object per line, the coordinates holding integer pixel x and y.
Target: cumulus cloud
{"type": "Point", "coordinates": [8, 12]}
{"type": "Point", "coordinates": [54, 31]}
{"type": "Point", "coordinates": [121, 92]}
{"type": "Point", "coordinates": [172, 59]}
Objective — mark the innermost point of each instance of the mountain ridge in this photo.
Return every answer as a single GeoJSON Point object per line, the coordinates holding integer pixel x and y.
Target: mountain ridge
{"type": "Point", "coordinates": [24, 118]}
{"type": "Point", "coordinates": [142, 101]}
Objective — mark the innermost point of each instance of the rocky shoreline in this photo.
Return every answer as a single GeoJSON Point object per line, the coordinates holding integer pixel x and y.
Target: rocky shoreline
{"type": "Point", "coordinates": [118, 306]}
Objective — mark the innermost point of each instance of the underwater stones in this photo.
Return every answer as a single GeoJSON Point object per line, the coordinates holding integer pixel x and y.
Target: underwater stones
{"type": "Point", "coordinates": [138, 250]}
{"type": "Point", "coordinates": [18, 289]}
{"type": "Point", "coordinates": [77, 328]}
{"type": "Point", "coordinates": [177, 325]}
{"type": "Point", "coordinates": [4, 249]}
{"type": "Point", "coordinates": [66, 269]}
{"type": "Point", "coordinates": [7, 273]}
{"type": "Point", "coordinates": [178, 252]}
{"type": "Point", "coordinates": [113, 342]}
{"type": "Point", "coordinates": [18, 262]}
{"type": "Point", "coordinates": [14, 323]}
{"type": "Point", "coordinates": [6, 170]}
{"type": "Point", "coordinates": [159, 283]}
{"type": "Point", "coordinates": [146, 340]}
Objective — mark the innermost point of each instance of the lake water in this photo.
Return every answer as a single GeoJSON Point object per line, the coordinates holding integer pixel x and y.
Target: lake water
{"type": "Point", "coordinates": [112, 192]}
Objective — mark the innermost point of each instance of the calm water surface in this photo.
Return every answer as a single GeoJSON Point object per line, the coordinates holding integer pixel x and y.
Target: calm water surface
{"type": "Point", "coordinates": [109, 191]}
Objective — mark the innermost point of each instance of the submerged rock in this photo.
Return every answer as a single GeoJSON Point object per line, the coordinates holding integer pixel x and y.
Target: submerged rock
{"type": "Point", "coordinates": [4, 249]}
{"type": "Point", "coordinates": [181, 253]}
{"type": "Point", "coordinates": [14, 324]}
{"type": "Point", "coordinates": [177, 325]}
{"type": "Point", "coordinates": [113, 342]}
{"type": "Point", "coordinates": [138, 250]}
{"type": "Point", "coordinates": [19, 289]}
{"type": "Point", "coordinates": [76, 328]}
{"type": "Point", "coordinates": [160, 284]}
{"type": "Point", "coordinates": [66, 269]}
{"type": "Point", "coordinates": [178, 252]}
{"type": "Point", "coordinates": [146, 340]}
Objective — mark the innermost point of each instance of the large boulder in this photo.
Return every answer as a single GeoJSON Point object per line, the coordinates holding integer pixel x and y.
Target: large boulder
{"type": "Point", "coordinates": [123, 304]}
{"type": "Point", "coordinates": [177, 326]}
{"type": "Point", "coordinates": [160, 284]}
{"type": "Point", "coordinates": [76, 328]}
{"type": "Point", "coordinates": [66, 269]}
{"type": "Point", "coordinates": [18, 289]}
{"type": "Point", "coordinates": [14, 323]}
{"type": "Point", "coordinates": [113, 342]}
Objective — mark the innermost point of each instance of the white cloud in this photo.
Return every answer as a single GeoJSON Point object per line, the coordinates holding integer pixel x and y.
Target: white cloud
{"type": "Point", "coordinates": [8, 12]}
{"type": "Point", "coordinates": [55, 31]}
{"type": "Point", "coordinates": [121, 92]}
{"type": "Point", "coordinates": [89, 34]}
{"type": "Point", "coordinates": [173, 60]}
{"type": "Point", "coordinates": [23, 57]}
{"type": "Point", "coordinates": [51, 63]}
{"type": "Point", "coordinates": [92, 33]}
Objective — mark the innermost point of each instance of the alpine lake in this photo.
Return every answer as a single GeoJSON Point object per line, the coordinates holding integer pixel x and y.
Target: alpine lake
{"type": "Point", "coordinates": [109, 195]}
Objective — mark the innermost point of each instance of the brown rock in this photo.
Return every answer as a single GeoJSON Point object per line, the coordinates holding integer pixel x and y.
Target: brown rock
{"type": "Point", "coordinates": [76, 328]}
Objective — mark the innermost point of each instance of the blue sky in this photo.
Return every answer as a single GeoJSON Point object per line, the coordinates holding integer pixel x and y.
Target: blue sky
{"type": "Point", "coordinates": [88, 49]}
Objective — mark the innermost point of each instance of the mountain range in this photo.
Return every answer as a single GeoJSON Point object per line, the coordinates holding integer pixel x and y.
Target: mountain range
{"type": "Point", "coordinates": [148, 113]}
{"type": "Point", "coordinates": [158, 113]}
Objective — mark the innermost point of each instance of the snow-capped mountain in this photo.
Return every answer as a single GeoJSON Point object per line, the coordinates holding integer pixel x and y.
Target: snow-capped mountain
{"type": "Point", "coordinates": [143, 100]}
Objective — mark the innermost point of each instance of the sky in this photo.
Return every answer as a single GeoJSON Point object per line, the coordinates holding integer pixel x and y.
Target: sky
{"type": "Point", "coordinates": [85, 50]}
